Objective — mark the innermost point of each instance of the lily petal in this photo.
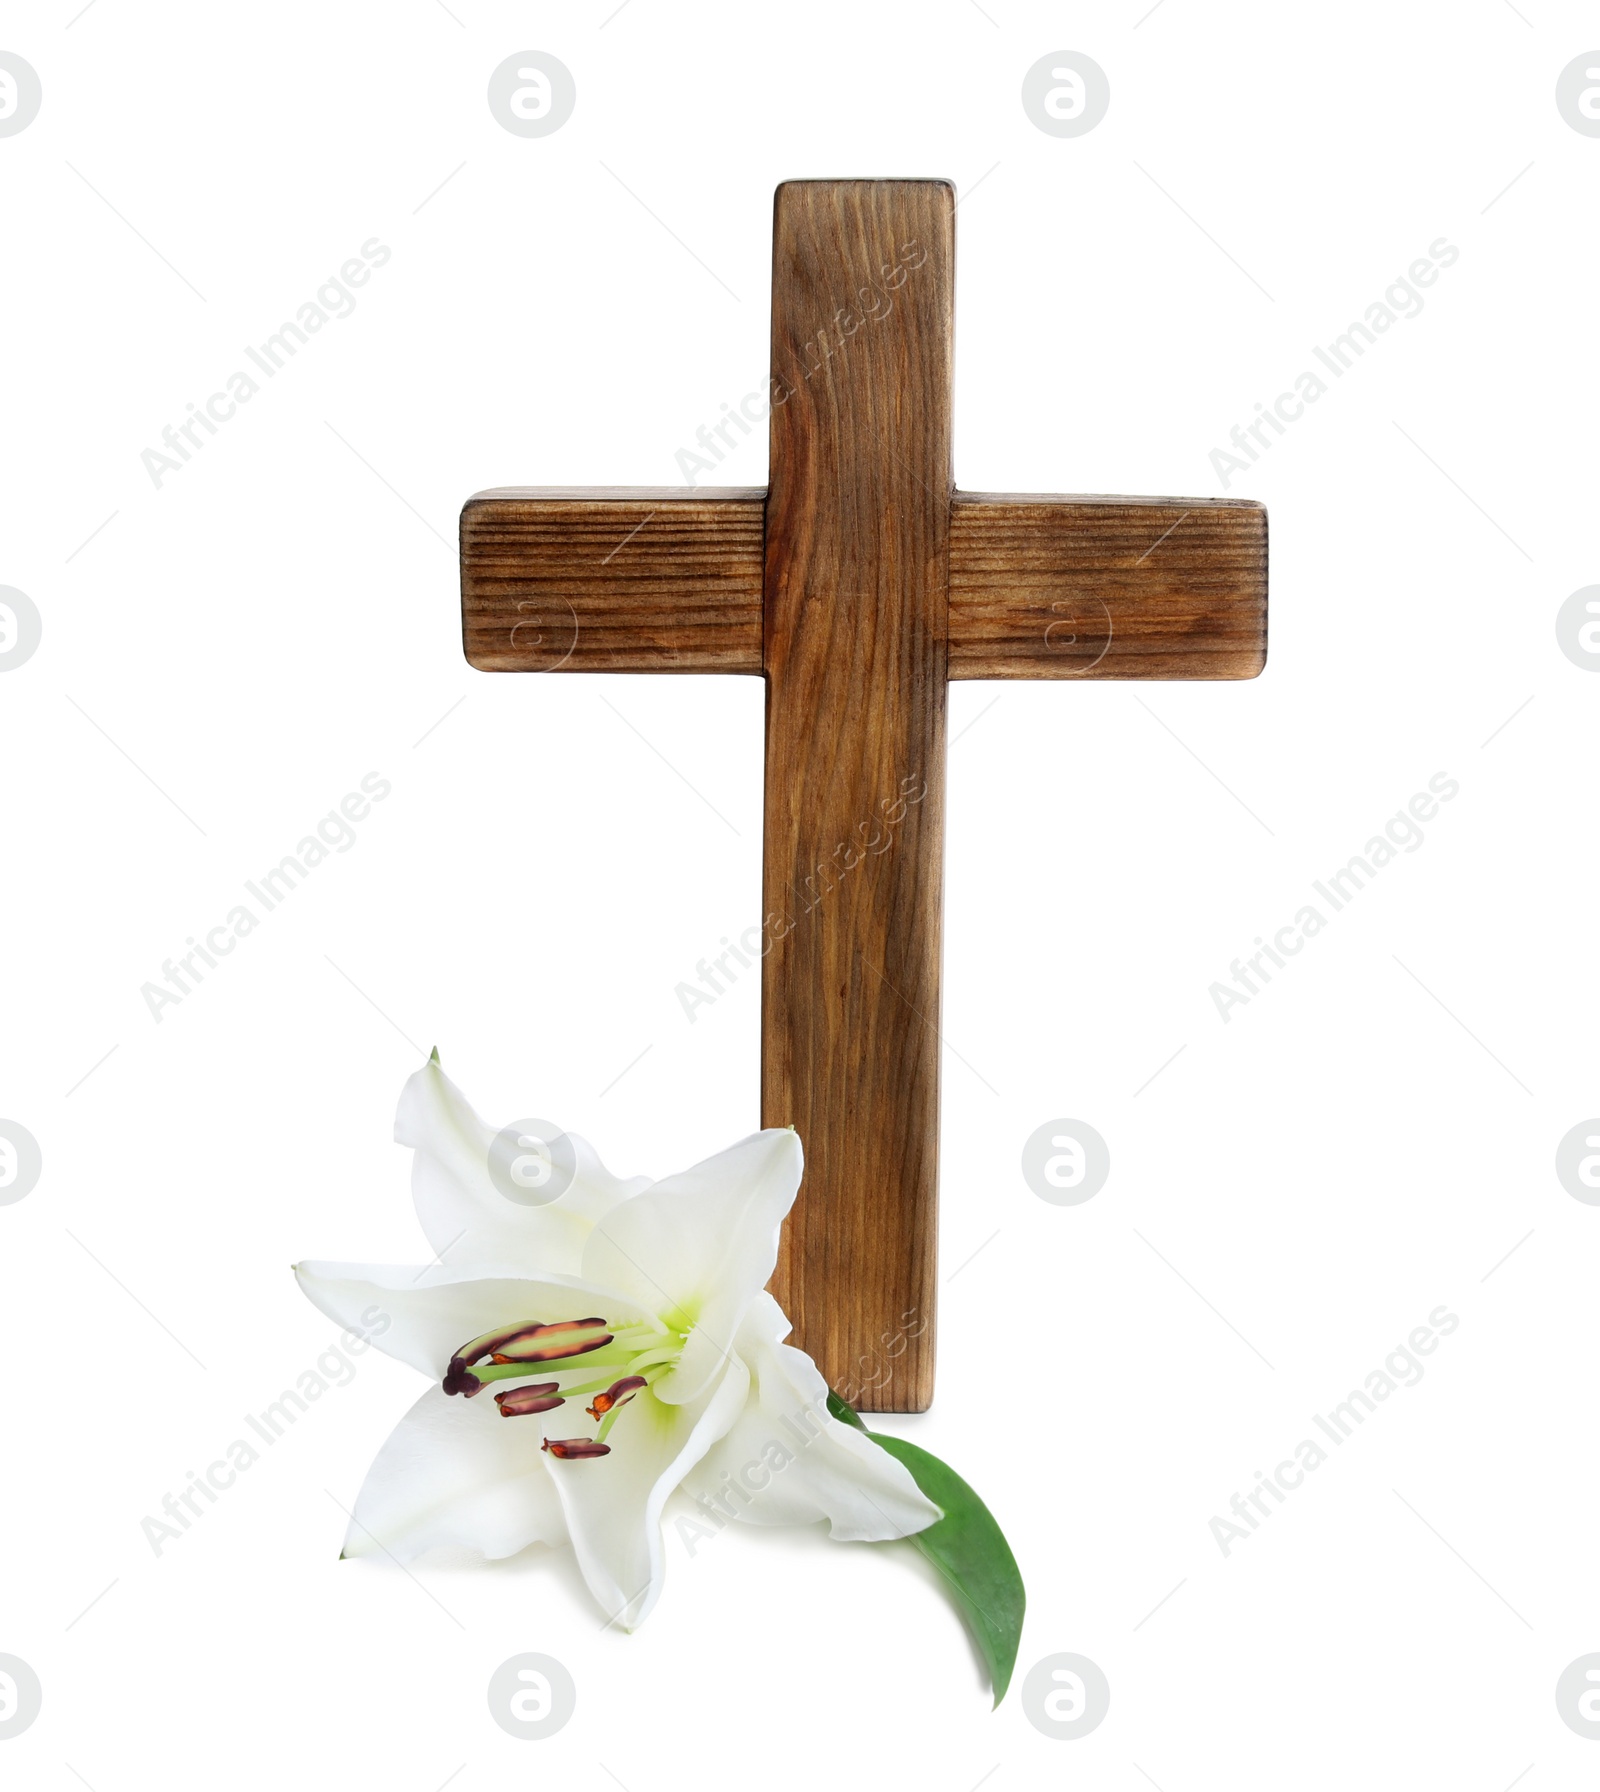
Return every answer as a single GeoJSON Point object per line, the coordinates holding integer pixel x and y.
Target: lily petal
{"type": "Point", "coordinates": [461, 1210]}
{"type": "Point", "coordinates": [699, 1246]}
{"type": "Point", "coordinates": [820, 1469]}
{"type": "Point", "coordinates": [423, 1316]}
{"type": "Point", "coordinates": [613, 1504]}
{"type": "Point", "coordinates": [454, 1473]}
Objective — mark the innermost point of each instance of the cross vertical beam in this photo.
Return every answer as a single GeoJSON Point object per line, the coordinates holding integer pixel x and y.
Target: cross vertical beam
{"type": "Point", "coordinates": [854, 648]}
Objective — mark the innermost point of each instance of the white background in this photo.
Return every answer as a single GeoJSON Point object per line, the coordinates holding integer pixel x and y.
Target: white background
{"type": "Point", "coordinates": [1298, 1188]}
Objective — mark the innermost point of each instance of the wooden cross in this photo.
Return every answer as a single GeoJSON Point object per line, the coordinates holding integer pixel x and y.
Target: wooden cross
{"type": "Point", "coordinates": [858, 583]}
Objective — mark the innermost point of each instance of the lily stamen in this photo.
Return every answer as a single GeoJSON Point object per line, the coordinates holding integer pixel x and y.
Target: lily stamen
{"type": "Point", "coordinates": [528, 1341]}
{"type": "Point", "coordinates": [545, 1343]}
{"type": "Point", "coordinates": [574, 1449]}
{"type": "Point", "coordinates": [618, 1394]}
{"type": "Point", "coordinates": [539, 1396]}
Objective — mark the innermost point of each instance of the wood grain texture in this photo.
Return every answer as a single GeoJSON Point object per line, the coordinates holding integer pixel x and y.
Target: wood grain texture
{"type": "Point", "coordinates": [1092, 587]}
{"type": "Point", "coordinates": [857, 534]}
{"type": "Point", "coordinates": [612, 580]}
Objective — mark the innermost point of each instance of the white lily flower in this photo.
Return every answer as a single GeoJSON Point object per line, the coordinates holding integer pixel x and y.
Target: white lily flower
{"type": "Point", "coordinates": [630, 1347]}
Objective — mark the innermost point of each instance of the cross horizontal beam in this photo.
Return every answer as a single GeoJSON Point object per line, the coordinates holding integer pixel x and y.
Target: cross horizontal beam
{"type": "Point", "coordinates": [612, 579]}
{"type": "Point", "coordinates": [669, 579]}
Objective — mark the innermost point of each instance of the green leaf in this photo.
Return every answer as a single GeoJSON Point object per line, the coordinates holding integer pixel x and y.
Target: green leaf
{"type": "Point", "coordinates": [844, 1411]}
{"type": "Point", "coordinates": [967, 1547]}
